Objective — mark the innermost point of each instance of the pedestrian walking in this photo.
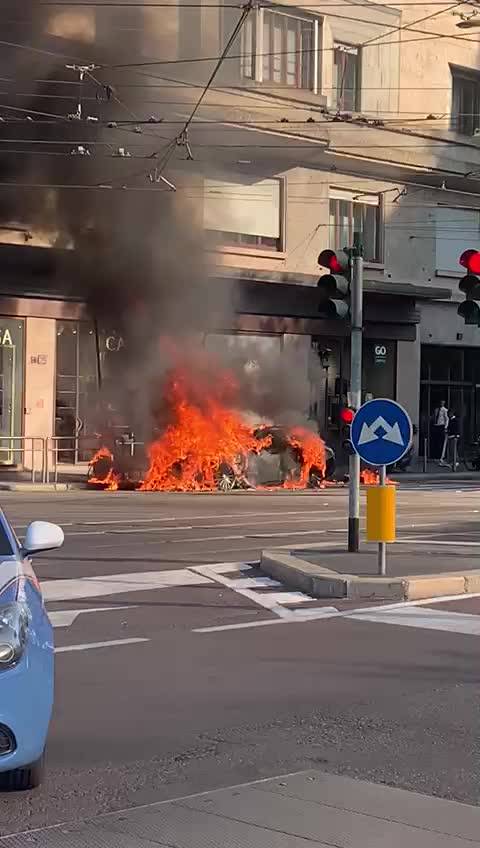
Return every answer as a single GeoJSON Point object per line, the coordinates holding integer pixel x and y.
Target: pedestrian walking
{"type": "Point", "coordinates": [439, 430]}
{"type": "Point", "coordinates": [452, 435]}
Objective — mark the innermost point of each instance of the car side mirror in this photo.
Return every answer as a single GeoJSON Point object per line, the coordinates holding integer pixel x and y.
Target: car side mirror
{"type": "Point", "coordinates": [42, 536]}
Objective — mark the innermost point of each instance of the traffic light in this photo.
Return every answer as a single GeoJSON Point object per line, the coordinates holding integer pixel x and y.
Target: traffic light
{"type": "Point", "coordinates": [347, 415]}
{"type": "Point", "coordinates": [335, 286]}
{"type": "Point", "coordinates": [469, 310]}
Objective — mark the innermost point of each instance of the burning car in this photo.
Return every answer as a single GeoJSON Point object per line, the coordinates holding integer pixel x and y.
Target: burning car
{"type": "Point", "coordinates": [204, 442]}
{"type": "Point", "coordinates": [278, 456]}
{"type": "Point", "coordinates": [280, 462]}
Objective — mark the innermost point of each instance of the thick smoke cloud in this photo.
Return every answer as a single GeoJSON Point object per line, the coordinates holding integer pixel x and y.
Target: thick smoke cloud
{"type": "Point", "coordinates": [138, 257]}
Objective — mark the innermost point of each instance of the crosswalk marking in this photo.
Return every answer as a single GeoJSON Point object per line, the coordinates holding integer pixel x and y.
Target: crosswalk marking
{"type": "Point", "coordinates": [88, 646]}
{"type": "Point", "coordinates": [426, 619]}
{"type": "Point", "coordinates": [253, 587]}
{"type": "Point", "coordinates": [65, 618]}
{"type": "Point", "coordinates": [116, 584]}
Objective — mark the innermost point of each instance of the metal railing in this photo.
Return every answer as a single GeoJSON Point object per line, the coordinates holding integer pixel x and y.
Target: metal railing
{"type": "Point", "coordinates": [29, 447]}
{"type": "Point", "coordinates": [56, 446]}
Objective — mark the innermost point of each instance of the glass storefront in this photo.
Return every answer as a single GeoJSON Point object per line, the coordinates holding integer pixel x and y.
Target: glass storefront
{"type": "Point", "coordinates": [12, 336]}
{"type": "Point", "coordinates": [451, 374]}
{"type": "Point", "coordinates": [76, 388]}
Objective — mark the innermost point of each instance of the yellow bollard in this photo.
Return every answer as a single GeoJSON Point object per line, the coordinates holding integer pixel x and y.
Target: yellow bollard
{"type": "Point", "coordinates": [381, 514]}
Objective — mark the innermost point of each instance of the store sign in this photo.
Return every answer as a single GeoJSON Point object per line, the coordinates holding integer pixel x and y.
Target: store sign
{"type": "Point", "coordinates": [380, 354]}
{"type": "Point", "coordinates": [114, 343]}
{"type": "Point", "coordinates": [6, 338]}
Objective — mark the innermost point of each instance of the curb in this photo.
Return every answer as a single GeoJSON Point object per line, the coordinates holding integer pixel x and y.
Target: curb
{"type": "Point", "coordinates": [40, 487]}
{"type": "Point", "coordinates": [320, 582]}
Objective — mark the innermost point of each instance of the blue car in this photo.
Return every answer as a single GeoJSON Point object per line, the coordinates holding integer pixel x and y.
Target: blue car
{"type": "Point", "coordinates": [26, 656]}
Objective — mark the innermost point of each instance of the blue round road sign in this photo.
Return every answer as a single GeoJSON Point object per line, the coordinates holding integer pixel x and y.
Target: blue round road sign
{"type": "Point", "coordinates": [381, 432]}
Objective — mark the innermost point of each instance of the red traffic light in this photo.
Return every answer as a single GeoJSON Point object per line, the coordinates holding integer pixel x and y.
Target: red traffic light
{"type": "Point", "coordinates": [470, 259]}
{"type": "Point", "coordinates": [347, 415]}
{"type": "Point", "coordinates": [328, 259]}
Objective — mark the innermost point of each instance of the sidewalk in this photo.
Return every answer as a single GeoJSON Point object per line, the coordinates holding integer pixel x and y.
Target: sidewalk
{"type": "Point", "coordinates": [295, 811]}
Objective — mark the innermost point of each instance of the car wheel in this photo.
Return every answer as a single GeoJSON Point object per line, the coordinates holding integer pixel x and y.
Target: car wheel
{"type": "Point", "coordinates": [225, 478]}
{"type": "Point", "coordinates": [23, 779]}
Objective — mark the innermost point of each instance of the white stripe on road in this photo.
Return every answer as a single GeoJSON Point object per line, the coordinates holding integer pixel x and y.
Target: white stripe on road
{"type": "Point", "coordinates": [284, 533]}
{"type": "Point", "coordinates": [423, 541]}
{"type": "Point", "coordinates": [65, 618]}
{"type": "Point", "coordinates": [216, 572]}
{"type": "Point", "coordinates": [254, 583]}
{"type": "Point", "coordinates": [427, 619]}
{"type": "Point", "coordinates": [382, 614]}
{"type": "Point", "coordinates": [88, 646]}
{"type": "Point", "coordinates": [296, 617]}
{"type": "Point", "coordinates": [198, 517]}
{"type": "Point", "coordinates": [116, 584]}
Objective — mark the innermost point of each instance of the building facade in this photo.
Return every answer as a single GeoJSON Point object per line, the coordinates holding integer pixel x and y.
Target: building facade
{"type": "Point", "coordinates": [325, 127]}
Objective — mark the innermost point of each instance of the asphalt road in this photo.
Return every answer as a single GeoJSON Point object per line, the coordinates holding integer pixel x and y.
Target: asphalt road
{"type": "Point", "coordinates": [160, 695]}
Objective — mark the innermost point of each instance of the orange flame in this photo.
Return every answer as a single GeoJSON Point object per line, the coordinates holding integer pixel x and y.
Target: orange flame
{"type": "Point", "coordinates": [110, 480]}
{"type": "Point", "coordinates": [372, 478]}
{"type": "Point", "coordinates": [311, 452]}
{"type": "Point", "coordinates": [204, 439]}
{"type": "Point", "coordinates": [369, 477]}
{"type": "Point", "coordinates": [206, 433]}
{"type": "Point", "coordinates": [203, 435]}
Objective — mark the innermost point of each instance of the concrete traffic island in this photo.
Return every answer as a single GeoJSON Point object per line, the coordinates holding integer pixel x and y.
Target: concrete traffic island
{"type": "Point", "coordinates": [414, 572]}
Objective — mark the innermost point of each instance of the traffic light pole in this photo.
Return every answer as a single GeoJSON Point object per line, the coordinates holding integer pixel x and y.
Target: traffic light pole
{"type": "Point", "coordinates": [355, 394]}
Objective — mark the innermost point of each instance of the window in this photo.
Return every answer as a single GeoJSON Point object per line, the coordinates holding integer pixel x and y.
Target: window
{"type": "Point", "coordinates": [286, 47]}
{"type": "Point", "coordinates": [76, 386]}
{"type": "Point", "coordinates": [465, 101]}
{"type": "Point", "coordinates": [345, 77]}
{"type": "Point", "coordinates": [247, 214]}
{"type": "Point", "coordinates": [356, 221]}
{"type": "Point", "coordinates": [456, 230]}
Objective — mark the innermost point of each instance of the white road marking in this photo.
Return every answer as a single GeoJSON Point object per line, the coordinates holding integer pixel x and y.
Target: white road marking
{"type": "Point", "coordinates": [271, 599]}
{"type": "Point", "coordinates": [228, 567]}
{"type": "Point", "coordinates": [423, 541]}
{"type": "Point", "coordinates": [221, 526]}
{"type": "Point", "coordinates": [65, 618]}
{"type": "Point", "coordinates": [427, 619]}
{"type": "Point", "coordinates": [216, 572]}
{"type": "Point", "coordinates": [188, 518]}
{"type": "Point", "coordinates": [88, 646]}
{"type": "Point", "coordinates": [380, 614]}
{"type": "Point", "coordinates": [300, 617]}
{"type": "Point", "coordinates": [115, 584]}
{"type": "Point", "coordinates": [254, 583]}
{"type": "Point", "coordinates": [284, 533]}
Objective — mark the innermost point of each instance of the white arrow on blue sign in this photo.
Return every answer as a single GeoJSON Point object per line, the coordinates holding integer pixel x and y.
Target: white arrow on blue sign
{"type": "Point", "coordinates": [381, 432]}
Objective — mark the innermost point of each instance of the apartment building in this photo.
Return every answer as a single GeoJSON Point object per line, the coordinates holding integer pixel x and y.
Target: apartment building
{"type": "Point", "coordinates": [324, 127]}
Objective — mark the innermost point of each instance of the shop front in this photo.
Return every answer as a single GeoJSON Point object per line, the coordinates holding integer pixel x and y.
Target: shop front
{"type": "Point", "coordinates": [12, 334]}
{"type": "Point", "coordinates": [451, 374]}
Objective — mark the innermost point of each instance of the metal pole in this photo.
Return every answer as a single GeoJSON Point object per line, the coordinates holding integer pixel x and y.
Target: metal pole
{"type": "Point", "coordinates": [455, 452]}
{"type": "Point", "coordinates": [425, 455]}
{"type": "Point", "coordinates": [325, 411]}
{"type": "Point", "coordinates": [382, 547]}
{"type": "Point", "coordinates": [356, 395]}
